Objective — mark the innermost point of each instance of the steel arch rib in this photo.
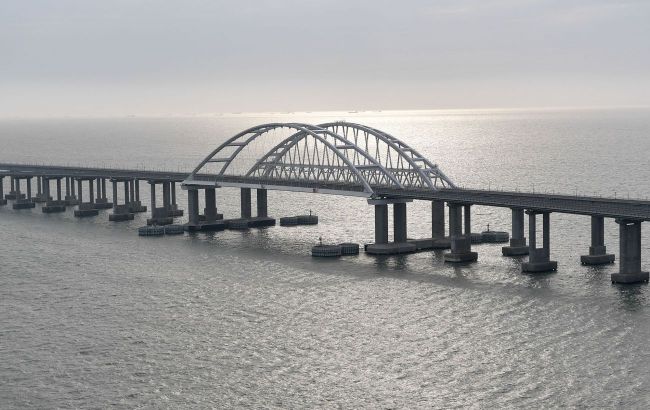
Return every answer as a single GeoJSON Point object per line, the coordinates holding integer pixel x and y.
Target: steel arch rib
{"type": "Point", "coordinates": [262, 129]}
{"type": "Point", "coordinates": [399, 147]}
{"type": "Point", "coordinates": [424, 159]}
{"type": "Point", "coordinates": [310, 129]}
{"type": "Point", "coordinates": [306, 129]}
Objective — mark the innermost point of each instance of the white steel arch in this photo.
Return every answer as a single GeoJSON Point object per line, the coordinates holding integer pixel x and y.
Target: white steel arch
{"type": "Point", "coordinates": [337, 156]}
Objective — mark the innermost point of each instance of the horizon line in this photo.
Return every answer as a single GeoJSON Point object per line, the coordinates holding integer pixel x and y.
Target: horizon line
{"type": "Point", "coordinates": [327, 112]}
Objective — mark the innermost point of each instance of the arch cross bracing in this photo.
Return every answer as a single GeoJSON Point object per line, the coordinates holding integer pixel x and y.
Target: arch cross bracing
{"type": "Point", "coordinates": [337, 157]}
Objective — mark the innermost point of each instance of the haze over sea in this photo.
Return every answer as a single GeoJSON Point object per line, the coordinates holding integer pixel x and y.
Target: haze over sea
{"type": "Point", "coordinates": [92, 316]}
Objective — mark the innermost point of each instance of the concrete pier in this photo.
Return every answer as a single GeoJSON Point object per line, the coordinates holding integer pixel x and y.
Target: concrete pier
{"type": "Point", "coordinates": [518, 245]}
{"type": "Point", "coordinates": [400, 243]}
{"type": "Point", "coordinates": [159, 216]}
{"type": "Point", "coordinates": [597, 251]}
{"type": "Point", "coordinates": [120, 212]}
{"type": "Point", "coordinates": [438, 220]}
{"type": "Point", "coordinates": [23, 202]}
{"type": "Point", "coordinates": [55, 205]}
{"type": "Point", "coordinates": [630, 253]}
{"type": "Point", "coordinates": [135, 205]}
{"type": "Point", "coordinates": [262, 203]}
{"type": "Point", "coordinates": [101, 202]}
{"type": "Point", "coordinates": [39, 197]}
{"type": "Point", "coordinates": [71, 197]}
{"type": "Point", "coordinates": [246, 220]}
{"type": "Point", "coordinates": [211, 220]}
{"type": "Point", "coordinates": [3, 201]}
{"type": "Point", "coordinates": [461, 242]}
{"type": "Point", "coordinates": [85, 208]}
{"type": "Point", "coordinates": [539, 258]}
{"type": "Point", "coordinates": [173, 210]}
{"type": "Point", "coordinates": [245, 202]}
{"type": "Point", "coordinates": [14, 193]}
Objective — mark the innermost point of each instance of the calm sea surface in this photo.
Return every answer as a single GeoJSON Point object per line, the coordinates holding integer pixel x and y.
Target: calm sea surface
{"type": "Point", "coordinates": [93, 316]}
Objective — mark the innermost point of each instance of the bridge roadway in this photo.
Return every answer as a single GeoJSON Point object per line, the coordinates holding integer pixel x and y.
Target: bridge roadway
{"type": "Point", "coordinates": [90, 172]}
{"type": "Point", "coordinates": [634, 209]}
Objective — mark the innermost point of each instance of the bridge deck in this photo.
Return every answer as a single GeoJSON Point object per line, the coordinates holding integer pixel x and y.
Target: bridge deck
{"type": "Point", "coordinates": [581, 205]}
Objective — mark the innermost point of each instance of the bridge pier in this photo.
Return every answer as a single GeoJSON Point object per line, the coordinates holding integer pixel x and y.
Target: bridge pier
{"type": "Point", "coordinates": [15, 193]}
{"type": "Point", "coordinates": [39, 197]}
{"type": "Point", "coordinates": [461, 244]}
{"type": "Point", "coordinates": [630, 253]}
{"type": "Point", "coordinates": [597, 251]}
{"type": "Point", "coordinates": [438, 239]}
{"type": "Point", "coordinates": [3, 201]}
{"type": "Point", "coordinates": [518, 245]}
{"type": "Point", "coordinates": [135, 205]}
{"type": "Point", "coordinates": [24, 202]}
{"type": "Point", "coordinates": [246, 219]}
{"type": "Point", "coordinates": [399, 244]}
{"type": "Point", "coordinates": [211, 220]}
{"type": "Point", "coordinates": [58, 205]}
{"type": "Point", "coordinates": [86, 208]}
{"type": "Point", "coordinates": [101, 202]}
{"type": "Point", "coordinates": [159, 216]}
{"type": "Point", "coordinates": [245, 202]}
{"type": "Point", "coordinates": [262, 203]}
{"type": "Point", "coordinates": [539, 258]}
{"type": "Point", "coordinates": [71, 199]}
{"type": "Point", "coordinates": [120, 212]}
{"type": "Point", "coordinates": [173, 210]}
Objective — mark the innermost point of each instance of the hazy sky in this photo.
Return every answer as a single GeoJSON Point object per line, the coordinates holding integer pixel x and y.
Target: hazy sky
{"type": "Point", "coordinates": [118, 57]}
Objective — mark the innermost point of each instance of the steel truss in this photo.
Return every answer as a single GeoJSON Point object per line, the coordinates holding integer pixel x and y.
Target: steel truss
{"type": "Point", "coordinates": [340, 153]}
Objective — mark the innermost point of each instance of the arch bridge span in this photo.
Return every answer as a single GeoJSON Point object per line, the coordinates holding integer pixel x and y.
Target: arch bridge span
{"type": "Point", "coordinates": [337, 158]}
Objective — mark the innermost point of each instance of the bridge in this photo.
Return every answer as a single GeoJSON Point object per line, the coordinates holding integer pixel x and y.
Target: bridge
{"type": "Point", "coordinates": [338, 158]}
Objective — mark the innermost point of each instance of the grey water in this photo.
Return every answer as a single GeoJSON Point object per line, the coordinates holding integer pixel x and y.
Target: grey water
{"type": "Point", "coordinates": [93, 316]}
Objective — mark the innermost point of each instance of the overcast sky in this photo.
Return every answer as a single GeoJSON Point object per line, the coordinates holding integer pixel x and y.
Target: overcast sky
{"type": "Point", "coordinates": [145, 57]}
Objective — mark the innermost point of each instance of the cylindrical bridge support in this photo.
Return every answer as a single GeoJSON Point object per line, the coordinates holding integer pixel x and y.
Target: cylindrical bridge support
{"type": "Point", "coordinates": [630, 253]}
{"type": "Point", "coordinates": [45, 182]}
{"type": "Point", "coordinates": [597, 251]}
{"type": "Point", "coordinates": [437, 220]}
{"type": "Point", "coordinates": [381, 223]}
{"type": "Point", "coordinates": [262, 203]}
{"type": "Point", "coordinates": [92, 191]}
{"type": "Point", "coordinates": [166, 198]}
{"type": "Point", "coordinates": [399, 222]}
{"type": "Point", "coordinates": [210, 205]}
{"type": "Point", "coordinates": [114, 185]}
{"type": "Point", "coordinates": [29, 187]}
{"type": "Point", "coordinates": [461, 242]}
{"type": "Point", "coordinates": [80, 190]}
{"type": "Point", "coordinates": [245, 200]}
{"type": "Point", "coordinates": [539, 258]}
{"type": "Point", "coordinates": [131, 184]}
{"type": "Point", "coordinates": [153, 198]}
{"type": "Point", "coordinates": [455, 220]}
{"type": "Point", "coordinates": [127, 198]}
{"type": "Point", "coordinates": [518, 245]}
{"type": "Point", "coordinates": [39, 187]}
{"type": "Point", "coordinates": [193, 206]}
